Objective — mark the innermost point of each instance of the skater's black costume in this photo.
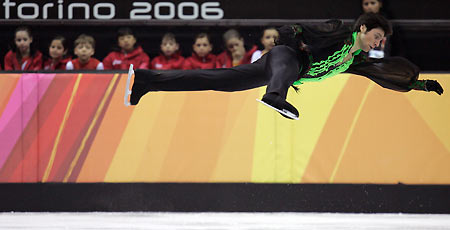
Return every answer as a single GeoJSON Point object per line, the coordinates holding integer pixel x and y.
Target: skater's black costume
{"type": "Point", "coordinates": [303, 53]}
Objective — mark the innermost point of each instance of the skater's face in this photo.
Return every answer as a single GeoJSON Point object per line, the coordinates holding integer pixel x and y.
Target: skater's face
{"type": "Point", "coordinates": [269, 38]}
{"type": "Point", "coordinates": [23, 41]}
{"type": "Point", "coordinates": [234, 44]}
{"type": "Point", "coordinates": [84, 51]}
{"type": "Point", "coordinates": [169, 47]}
{"type": "Point", "coordinates": [56, 49]}
{"type": "Point", "coordinates": [202, 47]}
{"type": "Point", "coordinates": [371, 6]}
{"type": "Point", "coordinates": [127, 42]}
{"type": "Point", "coordinates": [370, 39]}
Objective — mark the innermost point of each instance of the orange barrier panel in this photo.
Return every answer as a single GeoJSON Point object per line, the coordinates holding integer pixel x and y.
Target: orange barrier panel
{"type": "Point", "coordinates": [74, 128]}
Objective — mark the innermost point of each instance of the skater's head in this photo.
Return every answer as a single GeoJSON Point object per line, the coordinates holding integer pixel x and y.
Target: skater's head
{"type": "Point", "coordinates": [126, 39]}
{"type": "Point", "coordinates": [233, 41]}
{"type": "Point", "coordinates": [371, 28]}
{"type": "Point", "coordinates": [58, 47]}
{"type": "Point", "coordinates": [169, 45]}
{"type": "Point", "coordinates": [22, 40]}
{"type": "Point", "coordinates": [372, 6]}
{"type": "Point", "coordinates": [268, 38]}
{"type": "Point", "coordinates": [202, 45]}
{"type": "Point", "coordinates": [84, 47]}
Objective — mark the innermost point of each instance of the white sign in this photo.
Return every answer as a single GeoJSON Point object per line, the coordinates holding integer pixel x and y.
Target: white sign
{"type": "Point", "coordinates": [142, 10]}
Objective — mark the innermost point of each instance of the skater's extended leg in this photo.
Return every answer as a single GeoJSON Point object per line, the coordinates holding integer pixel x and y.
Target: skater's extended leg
{"type": "Point", "coordinates": [242, 77]}
{"type": "Point", "coordinates": [282, 67]}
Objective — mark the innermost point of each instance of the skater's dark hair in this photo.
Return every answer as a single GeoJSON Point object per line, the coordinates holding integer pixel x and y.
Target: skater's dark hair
{"type": "Point", "coordinates": [371, 21]}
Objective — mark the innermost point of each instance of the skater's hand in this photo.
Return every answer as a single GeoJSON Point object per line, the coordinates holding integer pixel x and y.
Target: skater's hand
{"type": "Point", "coordinates": [432, 85]}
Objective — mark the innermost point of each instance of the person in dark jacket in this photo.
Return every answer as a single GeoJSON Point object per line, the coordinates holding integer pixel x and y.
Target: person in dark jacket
{"type": "Point", "coordinates": [304, 53]}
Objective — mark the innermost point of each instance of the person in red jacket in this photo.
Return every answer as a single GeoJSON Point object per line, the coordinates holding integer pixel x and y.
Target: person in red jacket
{"type": "Point", "coordinates": [84, 49]}
{"type": "Point", "coordinates": [201, 58]}
{"type": "Point", "coordinates": [127, 53]}
{"type": "Point", "coordinates": [170, 57]}
{"type": "Point", "coordinates": [235, 53]}
{"type": "Point", "coordinates": [23, 56]}
{"type": "Point", "coordinates": [58, 54]}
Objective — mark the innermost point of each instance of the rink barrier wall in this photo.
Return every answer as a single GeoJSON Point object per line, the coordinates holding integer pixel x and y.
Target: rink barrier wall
{"type": "Point", "coordinates": [224, 197]}
{"type": "Point", "coordinates": [74, 127]}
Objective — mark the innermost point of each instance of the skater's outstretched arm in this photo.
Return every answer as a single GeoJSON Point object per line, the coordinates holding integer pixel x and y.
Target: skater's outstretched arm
{"type": "Point", "coordinates": [395, 73]}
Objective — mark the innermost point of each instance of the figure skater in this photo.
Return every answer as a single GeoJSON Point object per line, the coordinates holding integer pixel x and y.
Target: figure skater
{"type": "Point", "coordinates": [303, 54]}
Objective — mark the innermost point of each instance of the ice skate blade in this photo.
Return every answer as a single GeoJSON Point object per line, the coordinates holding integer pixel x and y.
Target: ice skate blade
{"type": "Point", "coordinates": [284, 111]}
{"type": "Point", "coordinates": [127, 89]}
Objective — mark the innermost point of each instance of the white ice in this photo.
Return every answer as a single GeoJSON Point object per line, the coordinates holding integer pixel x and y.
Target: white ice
{"type": "Point", "coordinates": [220, 221]}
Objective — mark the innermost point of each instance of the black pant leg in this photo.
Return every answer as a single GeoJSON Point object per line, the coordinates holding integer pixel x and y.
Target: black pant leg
{"type": "Point", "coordinates": [282, 67]}
{"type": "Point", "coordinates": [238, 78]}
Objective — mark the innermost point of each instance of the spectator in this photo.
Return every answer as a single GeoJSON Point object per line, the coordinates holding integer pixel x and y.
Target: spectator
{"type": "Point", "coordinates": [84, 49]}
{"type": "Point", "coordinates": [269, 36]}
{"type": "Point", "coordinates": [170, 57]}
{"type": "Point", "coordinates": [235, 53]}
{"type": "Point", "coordinates": [372, 6]}
{"type": "Point", "coordinates": [201, 58]}
{"type": "Point", "coordinates": [127, 53]}
{"type": "Point", "coordinates": [58, 54]}
{"type": "Point", "coordinates": [23, 56]}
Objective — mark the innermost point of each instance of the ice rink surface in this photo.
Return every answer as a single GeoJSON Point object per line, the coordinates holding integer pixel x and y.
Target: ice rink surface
{"type": "Point", "coordinates": [219, 221]}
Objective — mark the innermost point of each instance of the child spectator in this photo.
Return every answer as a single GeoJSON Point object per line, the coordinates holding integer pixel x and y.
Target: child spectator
{"type": "Point", "coordinates": [269, 36]}
{"type": "Point", "coordinates": [170, 57]}
{"type": "Point", "coordinates": [372, 6]}
{"type": "Point", "coordinates": [127, 53]}
{"type": "Point", "coordinates": [23, 56]}
{"type": "Point", "coordinates": [201, 58]}
{"type": "Point", "coordinates": [58, 54]}
{"type": "Point", "coordinates": [84, 49]}
{"type": "Point", "coordinates": [235, 53]}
